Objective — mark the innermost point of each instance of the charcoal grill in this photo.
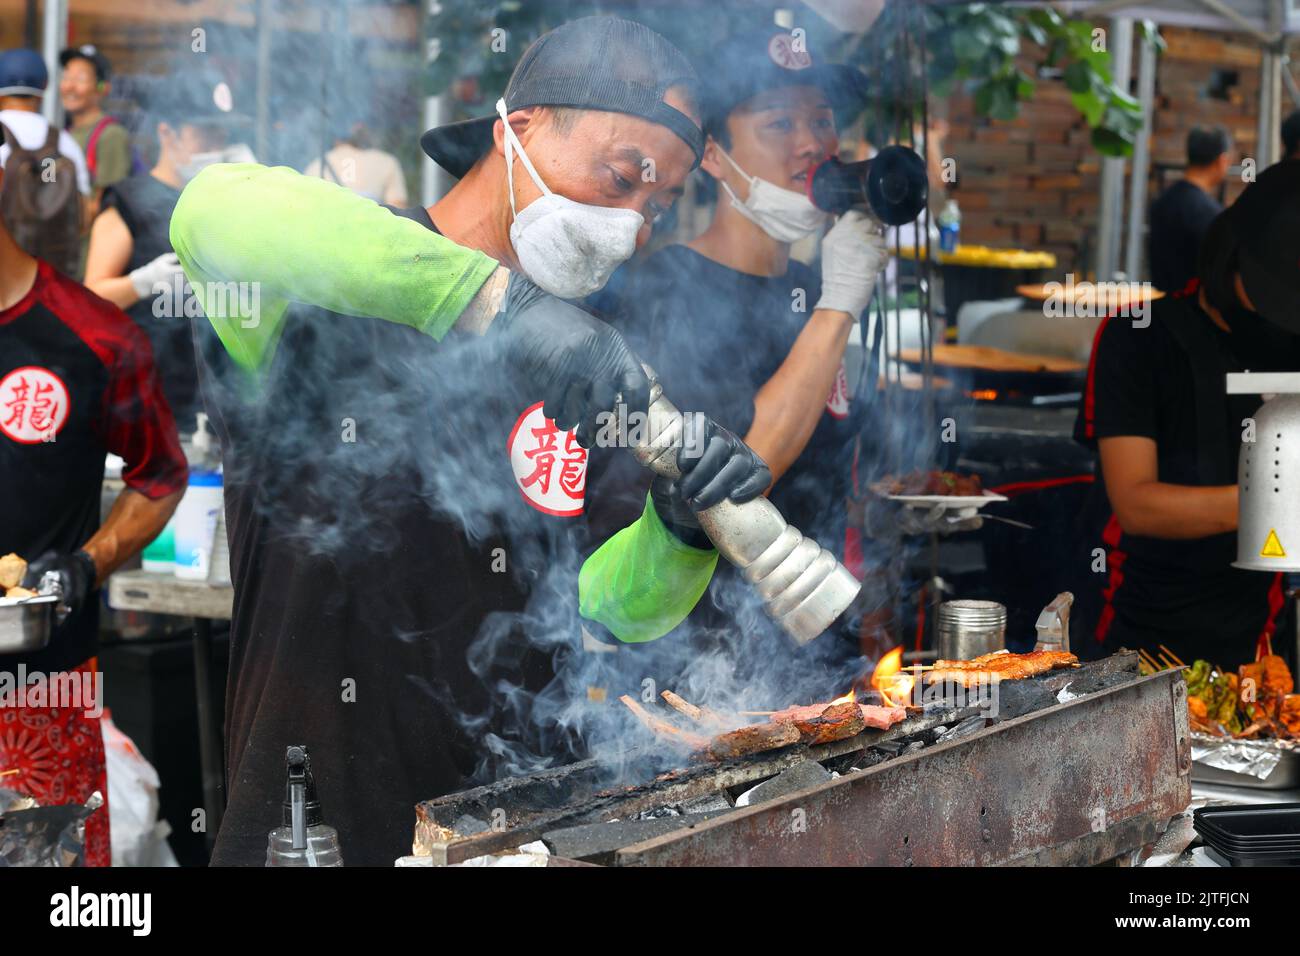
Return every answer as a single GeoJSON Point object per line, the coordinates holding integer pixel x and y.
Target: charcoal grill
{"type": "Point", "coordinates": [1054, 779]}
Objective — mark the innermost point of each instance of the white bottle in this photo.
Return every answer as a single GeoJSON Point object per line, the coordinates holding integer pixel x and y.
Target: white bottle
{"type": "Point", "coordinates": [196, 516]}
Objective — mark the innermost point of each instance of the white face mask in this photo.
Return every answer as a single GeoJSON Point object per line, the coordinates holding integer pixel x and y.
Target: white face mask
{"type": "Point", "coordinates": [568, 248]}
{"type": "Point", "coordinates": [785, 215]}
{"type": "Point", "coordinates": [235, 153]}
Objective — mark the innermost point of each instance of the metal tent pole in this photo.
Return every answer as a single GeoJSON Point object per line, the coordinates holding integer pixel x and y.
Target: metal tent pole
{"type": "Point", "coordinates": [1137, 184]}
{"type": "Point", "coordinates": [54, 30]}
{"type": "Point", "coordinates": [1112, 167]}
{"type": "Point", "coordinates": [434, 180]}
{"type": "Point", "coordinates": [1270, 91]}
{"type": "Point", "coordinates": [262, 131]}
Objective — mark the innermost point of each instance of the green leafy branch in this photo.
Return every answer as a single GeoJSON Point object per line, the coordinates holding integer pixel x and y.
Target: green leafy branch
{"type": "Point", "coordinates": [980, 46]}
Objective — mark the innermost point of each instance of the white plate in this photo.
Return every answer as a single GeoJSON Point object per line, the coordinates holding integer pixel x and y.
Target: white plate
{"type": "Point", "coordinates": [948, 502]}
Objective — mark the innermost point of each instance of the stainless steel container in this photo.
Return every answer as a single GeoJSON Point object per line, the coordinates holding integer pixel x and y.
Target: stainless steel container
{"type": "Point", "coordinates": [25, 626]}
{"type": "Point", "coordinates": [1268, 478]}
{"type": "Point", "coordinates": [967, 629]}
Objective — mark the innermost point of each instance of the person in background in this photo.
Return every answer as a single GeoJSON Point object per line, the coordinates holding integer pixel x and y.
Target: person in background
{"type": "Point", "coordinates": [130, 256]}
{"type": "Point", "coordinates": [1182, 213]}
{"type": "Point", "coordinates": [1291, 136]}
{"type": "Point", "coordinates": [83, 86]}
{"type": "Point", "coordinates": [732, 324]}
{"type": "Point", "coordinates": [77, 382]}
{"type": "Point", "coordinates": [51, 230]}
{"type": "Point", "coordinates": [1168, 437]}
{"type": "Point", "coordinates": [367, 171]}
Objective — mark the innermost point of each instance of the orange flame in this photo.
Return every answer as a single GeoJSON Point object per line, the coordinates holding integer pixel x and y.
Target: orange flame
{"type": "Point", "coordinates": [893, 685]}
{"type": "Point", "coordinates": [848, 698]}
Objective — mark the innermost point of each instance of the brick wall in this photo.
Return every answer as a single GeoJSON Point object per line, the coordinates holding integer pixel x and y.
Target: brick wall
{"type": "Point", "coordinates": [1032, 182]}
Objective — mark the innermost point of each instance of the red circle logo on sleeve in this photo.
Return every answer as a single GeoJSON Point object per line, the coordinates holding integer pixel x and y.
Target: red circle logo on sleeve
{"type": "Point", "coordinates": [837, 403]}
{"type": "Point", "coordinates": [33, 405]}
{"type": "Point", "coordinates": [550, 466]}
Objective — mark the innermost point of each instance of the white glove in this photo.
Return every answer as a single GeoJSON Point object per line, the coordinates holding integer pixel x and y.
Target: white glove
{"type": "Point", "coordinates": [853, 253]}
{"type": "Point", "coordinates": [151, 274]}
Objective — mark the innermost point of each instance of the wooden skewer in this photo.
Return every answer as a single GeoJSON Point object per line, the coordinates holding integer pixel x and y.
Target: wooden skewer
{"type": "Point", "coordinates": [756, 713]}
{"type": "Point", "coordinates": [1167, 662]}
{"type": "Point", "coordinates": [1148, 659]}
{"type": "Point", "coordinates": [1174, 657]}
{"type": "Point", "coordinates": [5, 773]}
{"type": "Point", "coordinates": [662, 728]}
{"type": "Point", "coordinates": [700, 715]}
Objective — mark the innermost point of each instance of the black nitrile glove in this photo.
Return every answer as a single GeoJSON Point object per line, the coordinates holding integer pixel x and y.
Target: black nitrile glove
{"type": "Point", "coordinates": [715, 464]}
{"type": "Point", "coordinates": [574, 362]}
{"type": "Point", "coordinates": [76, 573]}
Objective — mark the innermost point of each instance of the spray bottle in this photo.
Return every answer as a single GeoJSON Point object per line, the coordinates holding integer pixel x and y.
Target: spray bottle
{"type": "Point", "coordinates": [304, 839]}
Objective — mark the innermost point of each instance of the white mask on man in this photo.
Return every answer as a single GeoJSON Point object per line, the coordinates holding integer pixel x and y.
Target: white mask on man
{"type": "Point", "coordinates": [785, 215]}
{"type": "Point", "coordinates": [568, 248]}
{"type": "Point", "coordinates": [234, 153]}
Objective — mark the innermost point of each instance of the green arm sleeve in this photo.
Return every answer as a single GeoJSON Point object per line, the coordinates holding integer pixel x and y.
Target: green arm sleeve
{"type": "Point", "coordinates": [642, 582]}
{"type": "Point", "coordinates": [253, 239]}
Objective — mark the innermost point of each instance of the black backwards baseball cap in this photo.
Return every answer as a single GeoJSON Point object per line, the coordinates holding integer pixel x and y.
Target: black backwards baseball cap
{"type": "Point", "coordinates": [1265, 221]}
{"type": "Point", "coordinates": [90, 53]}
{"type": "Point", "coordinates": [201, 98]}
{"type": "Point", "coordinates": [755, 61]}
{"type": "Point", "coordinates": [598, 63]}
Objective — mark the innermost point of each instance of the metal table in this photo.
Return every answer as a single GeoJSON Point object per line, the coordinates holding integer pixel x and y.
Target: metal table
{"type": "Point", "coordinates": [203, 603]}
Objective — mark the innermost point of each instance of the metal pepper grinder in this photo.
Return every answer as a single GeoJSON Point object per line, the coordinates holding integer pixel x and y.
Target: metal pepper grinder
{"type": "Point", "coordinates": [802, 584]}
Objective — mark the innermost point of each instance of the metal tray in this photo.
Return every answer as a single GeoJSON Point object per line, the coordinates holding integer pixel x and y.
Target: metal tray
{"type": "Point", "coordinates": [25, 625]}
{"type": "Point", "coordinates": [1284, 776]}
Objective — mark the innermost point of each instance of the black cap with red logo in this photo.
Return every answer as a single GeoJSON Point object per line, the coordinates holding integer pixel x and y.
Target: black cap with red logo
{"type": "Point", "coordinates": [752, 62]}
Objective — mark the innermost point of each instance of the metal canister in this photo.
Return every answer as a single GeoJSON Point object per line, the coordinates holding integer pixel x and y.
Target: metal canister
{"type": "Point", "coordinates": [967, 629]}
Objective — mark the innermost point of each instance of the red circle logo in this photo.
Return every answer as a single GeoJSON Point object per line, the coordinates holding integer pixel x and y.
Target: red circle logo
{"type": "Point", "coordinates": [33, 405]}
{"type": "Point", "coordinates": [837, 403]}
{"type": "Point", "coordinates": [550, 466]}
{"type": "Point", "coordinates": [787, 54]}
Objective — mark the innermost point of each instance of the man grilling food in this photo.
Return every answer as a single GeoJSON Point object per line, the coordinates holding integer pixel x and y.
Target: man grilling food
{"type": "Point", "coordinates": [399, 460]}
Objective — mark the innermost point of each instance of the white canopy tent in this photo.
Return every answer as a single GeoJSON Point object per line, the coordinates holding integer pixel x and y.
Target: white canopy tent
{"type": "Point", "coordinates": [1270, 23]}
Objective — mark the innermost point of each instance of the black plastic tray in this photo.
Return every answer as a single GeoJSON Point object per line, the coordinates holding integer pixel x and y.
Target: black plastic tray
{"type": "Point", "coordinates": [1262, 835]}
{"type": "Point", "coordinates": [1268, 822]}
{"type": "Point", "coordinates": [1219, 835]}
{"type": "Point", "coordinates": [1232, 858]}
{"type": "Point", "coordinates": [1209, 836]}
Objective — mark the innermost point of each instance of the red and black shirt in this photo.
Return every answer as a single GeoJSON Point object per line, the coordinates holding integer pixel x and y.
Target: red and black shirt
{"type": "Point", "coordinates": [77, 381]}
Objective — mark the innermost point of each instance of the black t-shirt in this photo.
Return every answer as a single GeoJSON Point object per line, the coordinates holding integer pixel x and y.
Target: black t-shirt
{"type": "Point", "coordinates": [380, 546]}
{"type": "Point", "coordinates": [1166, 383]}
{"type": "Point", "coordinates": [76, 382]}
{"type": "Point", "coordinates": [146, 205]}
{"type": "Point", "coordinates": [1177, 223]}
{"type": "Point", "coordinates": [714, 337]}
